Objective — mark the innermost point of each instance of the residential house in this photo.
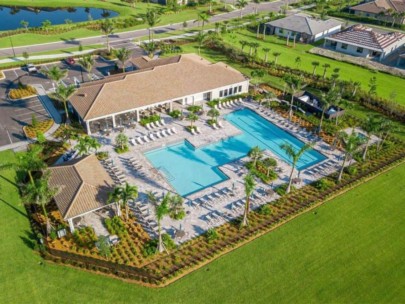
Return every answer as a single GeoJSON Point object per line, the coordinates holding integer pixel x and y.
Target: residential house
{"type": "Point", "coordinates": [303, 27]}
{"type": "Point", "coordinates": [184, 79]}
{"type": "Point", "coordinates": [361, 41]}
{"type": "Point", "coordinates": [384, 10]}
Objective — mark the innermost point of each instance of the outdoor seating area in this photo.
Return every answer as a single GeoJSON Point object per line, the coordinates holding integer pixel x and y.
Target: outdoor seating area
{"type": "Point", "coordinates": [222, 202]}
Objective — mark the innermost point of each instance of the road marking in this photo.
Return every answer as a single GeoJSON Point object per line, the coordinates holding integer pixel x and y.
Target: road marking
{"type": "Point", "coordinates": [9, 137]}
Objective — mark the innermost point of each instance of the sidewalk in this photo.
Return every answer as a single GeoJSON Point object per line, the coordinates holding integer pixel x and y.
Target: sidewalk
{"type": "Point", "coordinates": [39, 57]}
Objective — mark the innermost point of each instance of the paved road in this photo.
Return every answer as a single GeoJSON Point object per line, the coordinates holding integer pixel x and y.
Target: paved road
{"type": "Point", "coordinates": [262, 7]}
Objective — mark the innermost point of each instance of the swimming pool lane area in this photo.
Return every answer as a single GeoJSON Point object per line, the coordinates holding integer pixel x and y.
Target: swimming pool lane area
{"type": "Point", "coordinates": [189, 169]}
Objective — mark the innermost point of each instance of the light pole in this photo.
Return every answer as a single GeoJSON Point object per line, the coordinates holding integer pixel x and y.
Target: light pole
{"type": "Point", "coordinates": [12, 46]}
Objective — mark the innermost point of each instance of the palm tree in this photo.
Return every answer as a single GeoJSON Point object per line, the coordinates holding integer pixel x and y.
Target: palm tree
{"type": "Point", "coordinates": [192, 117]}
{"type": "Point", "coordinates": [351, 143]}
{"type": "Point", "coordinates": [122, 195]}
{"type": "Point", "coordinates": [325, 67]}
{"type": "Point", "coordinates": [254, 45]}
{"type": "Point", "coordinates": [39, 193]}
{"type": "Point", "coordinates": [315, 64]}
{"type": "Point", "coordinates": [276, 55]}
{"type": "Point", "coordinates": [213, 113]}
{"type": "Point", "coordinates": [295, 156]}
{"type": "Point", "coordinates": [107, 28]}
{"type": "Point", "coordinates": [243, 43]}
{"type": "Point", "coordinates": [240, 4]}
{"type": "Point", "coordinates": [86, 62]}
{"type": "Point", "coordinates": [176, 206]}
{"type": "Point", "coordinates": [200, 39]}
{"type": "Point", "coordinates": [356, 86]}
{"type": "Point", "coordinates": [250, 186]}
{"type": "Point", "coordinates": [161, 210]}
{"type": "Point", "coordinates": [259, 74]}
{"type": "Point", "coordinates": [123, 55]}
{"type": "Point", "coordinates": [55, 73]}
{"type": "Point", "coordinates": [28, 161]}
{"type": "Point", "coordinates": [386, 128]}
{"type": "Point", "coordinates": [85, 144]}
{"type": "Point", "coordinates": [371, 125]}
{"type": "Point", "coordinates": [255, 154]}
{"type": "Point", "coordinates": [294, 83]}
{"type": "Point", "coordinates": [63, 94]}
{"type": "Point", "coordinates": [150, 48]}
{"type": "Point", "coordinates": [328, 99]}
{"type": "Point", "coordinates": [152, 17]}
{"type": "Point", "coordinates": [335, 77]}
{"type": "Point", "coordinates": [204, 18]}
{"type": "Point", "coordinates": [266, 54]}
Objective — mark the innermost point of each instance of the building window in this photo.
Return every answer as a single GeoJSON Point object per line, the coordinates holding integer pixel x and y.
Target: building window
{"type": "Point", "coordinates": [226, 92]}
{"type": "Point", "coordinates": [359, 50]}
{"type": "Point", "coordinates": [221, 93]}
{"type": "Point", "coordinates": [230, 91]}
{"type": "Point", "coordinates": [280, 31]}
{"type": "Point", "coordinates": [344, 46]}
{"type": "Point", "coordinates": [240, 89]}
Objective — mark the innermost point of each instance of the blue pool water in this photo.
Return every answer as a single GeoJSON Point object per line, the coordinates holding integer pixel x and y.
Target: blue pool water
{"type": "Point", "coordinates": [189, 170]}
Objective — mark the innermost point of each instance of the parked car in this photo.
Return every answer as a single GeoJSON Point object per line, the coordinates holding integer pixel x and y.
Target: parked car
{"type": "Point", "coordinates": [70, 60]}
{"type": "Point", "coordinates": [31, 68]}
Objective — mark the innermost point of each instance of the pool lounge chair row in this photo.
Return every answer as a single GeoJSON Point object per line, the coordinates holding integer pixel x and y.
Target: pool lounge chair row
{"type": "Point", "coordinates": [217, 125]}
{"type": "Point", "coordinates": [140, 140]}
{"type": "Point", "coordinates": [214, 218]}
{"type": "Point", "coordinates": [156, 124]}
{"type": "Point", "coordinates": [195, 131]}
{"type": "Point", "coordinates": [209, 199]}
{"type": "Point", "coordinates": [228, 104]}
{"type": "Point", "coordinates": [116, 174]}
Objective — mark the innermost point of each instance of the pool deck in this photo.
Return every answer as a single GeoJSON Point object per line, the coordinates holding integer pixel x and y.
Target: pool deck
{"type": "Point", "coordinates": [214, 205]}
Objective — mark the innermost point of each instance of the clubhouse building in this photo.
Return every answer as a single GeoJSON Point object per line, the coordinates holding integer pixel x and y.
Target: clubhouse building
{"type": "Point", "coordinates": [156, 84]}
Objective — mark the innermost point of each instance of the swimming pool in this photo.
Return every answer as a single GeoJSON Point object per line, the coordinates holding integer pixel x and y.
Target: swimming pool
{"type": "Point", "coordinates": [189, 170]}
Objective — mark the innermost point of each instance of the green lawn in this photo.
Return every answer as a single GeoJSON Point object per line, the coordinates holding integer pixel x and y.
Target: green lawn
{"type": "Point", "coordinates": [124, 9]}
{"type": "Point", "coordinates": [349, 251]}
{"type": "Point", "coordinates": [386, 84]}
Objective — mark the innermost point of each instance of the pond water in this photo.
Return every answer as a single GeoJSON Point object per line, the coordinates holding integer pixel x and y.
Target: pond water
{"type": "Point", "coordinates": [11, 17]}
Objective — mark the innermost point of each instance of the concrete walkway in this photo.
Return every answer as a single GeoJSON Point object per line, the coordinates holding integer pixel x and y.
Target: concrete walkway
{"type": "Point", "coordinates": [48, 105]}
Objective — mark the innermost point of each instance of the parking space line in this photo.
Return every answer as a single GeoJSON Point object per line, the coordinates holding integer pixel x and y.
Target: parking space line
{"type": "Point", "coordinates": [28, 108]}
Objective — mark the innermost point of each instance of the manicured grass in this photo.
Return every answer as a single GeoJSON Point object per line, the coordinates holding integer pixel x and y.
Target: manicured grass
{"type": "Point", "coordinates": [123, 8]}
{"type": "Point", "coordinates": [386, 84]}
{"type": "Point", "coordinates": [348, 251]}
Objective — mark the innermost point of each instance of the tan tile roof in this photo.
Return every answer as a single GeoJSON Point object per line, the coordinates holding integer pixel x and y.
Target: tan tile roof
{"type": "Point", "coordinates": [378, 6]}
{"type": "Point", "coordinates": [83, 186]}
{"type": "Point", "coordinates": [366, 37]}
{"type": "Point", "coordinates": [187, 75]}
{"type": "Point", "coordinates": [147, 63]}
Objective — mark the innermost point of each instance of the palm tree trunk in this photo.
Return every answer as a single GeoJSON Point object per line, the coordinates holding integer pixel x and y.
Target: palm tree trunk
{"type": "Point", "coordinates": [320, 123]}
{"type": "Point", "coordinates": [290, 113]}
{"type": "Point", "coordinates": [245, 220]}
{"type": "Point", "coordinates": [66, 112]}
{"type": "Point", "coordinates": [313, 71]}
{"type": "Point", "coordinates": [290, 179]}
{"type": "Point", "coordinates": [30, 176]}
{"type": "Point", "coordinates": [161, 246]}
{"type": "Point", "coordinates": [257, 32]}
{"type": "Point", "coordinates": [366, 148]}
{"type": "Point", "coordinates": [126, 211]}
{"type": "Point", "coordinates": [343, 167]}
{"type": "Point", "coordinates": [149, 34]}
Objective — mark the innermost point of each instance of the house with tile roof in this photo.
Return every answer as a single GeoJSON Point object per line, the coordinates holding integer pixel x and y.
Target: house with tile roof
{"type": "Point", "coordinates": [83, 187]}
{"type": "Point", "coordinates": [361, 41]}
{"type": "Point", "coordinates": [385, 10]}
{"type": "Point", "coordinates": [185, 79]}
{"type": "Point", "coordinates": [303, 27]}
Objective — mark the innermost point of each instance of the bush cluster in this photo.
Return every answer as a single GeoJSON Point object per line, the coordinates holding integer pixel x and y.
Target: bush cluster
{"type": "Point", "coordinates": [115, 226]}
{"type": "Point", "coordinates": [22, 91]}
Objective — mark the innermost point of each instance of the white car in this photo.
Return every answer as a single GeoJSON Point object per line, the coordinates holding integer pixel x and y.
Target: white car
{"type": "Point", "coordinates": [31, 68]}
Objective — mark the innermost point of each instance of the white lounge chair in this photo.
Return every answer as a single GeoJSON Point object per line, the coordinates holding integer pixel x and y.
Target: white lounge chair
{"type": "Point", "coordinates": [145, 138]}
{"type": "Point", "coordinates": [162, 122]}
{"type": "Point", "coordinates": [220, 124]}
{"type": "Point", "coordinates": [198, 130]}
{"type": "Point", "coordinates": [152, 137]}
{"type": "Point", "coordinates": [214, 125]}
{"type": "Point", "coordinates": [132, 141]}
{"type": "Point", "coordinates": [147, 126]}
{"type": "Point", "coordinates": [139, 140]}
{"type": "Point", "coordinates": [157, 134]}
{"type": "Point", "coordinates": [192, 131]}
{"type": "Point", "coordinates": [169, 131]}
{"type": "Point", "coordinates": [166, 133]}
{"type": "Point", "coordinates": [218, 106]}
{"type": "Point", "coordinates": [174, 130]}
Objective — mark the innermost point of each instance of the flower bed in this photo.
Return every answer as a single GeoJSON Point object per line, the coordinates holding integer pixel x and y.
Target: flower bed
{"type": "Point", "coordinates": [22, 92]}
{"type": "Point", "coordinates": [42, 126]}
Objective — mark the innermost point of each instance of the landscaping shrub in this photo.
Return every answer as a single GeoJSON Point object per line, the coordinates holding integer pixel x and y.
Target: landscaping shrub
{"type": "Point", "coordinates": [175, 114]}
{"type": "Point", "coordinates": [115, 226]}
{"type": "Point", "coordinates": [149, 119]}
{"type": "Point", "coordinates": [150, 247]}
{"type": "Point", "coordinates": [281, 190]}
{"type": "Point", "coordinates": [324, 184]}
{"type": "Point", "coordinates": [41, 127]}
{"type": "Point", "coordinates": [85, 237]}
{"type": "Point", "coordinates": [211, 235]}
{"type": "Point", "coordinates": [102, 155]}
{"type": "Point", "coordinates": [194, 109]}
{"type": "Point", "coordinates": [22, 91]}
{"type": "Point", "coordinates": [264, 210]}
{"type": "Point", "coordinates": [351, 170]}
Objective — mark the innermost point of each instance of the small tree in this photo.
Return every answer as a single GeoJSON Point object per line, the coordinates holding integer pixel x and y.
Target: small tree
{"type": "Point", "coordinates": [123, 55]}
{"type": "Point", "coordinates": [103, 246]}
{"type": "Point", "coordinates": [240, 4]}
{"type": "Point", "coordinates": [176, 207]}
{"type": "Point", "coordinates": [161, 210]}
{"type": "Point", "coordinates": [325, 67]}
{"type": "Point", "coordinates": [46, 24]}
{"type": "Point", "coordinates": [372, 85]}
{"type": "Point", "coordinates": [152, 17]}
{"type": "Point", "coordinates": [266, 54]}
{"type": "Point", "coordinates": [63, 94]}
{"type": "Point", "coordinates": [56, 74]}
{"type": "Point", "coordinates": [255, 154]}
{"type": "Point", "coordinates": [371, 125]}
{"type": "Point", "coordinates": [294, 83]}
{"type": "Point", "coordinates": [34, 121]}
{"type": "Point", "coordinates": [315, 64]}
{"type": "Point", "coordinates": [250, 186]}
{"type": "Point", "coordinates": [192, 118]}
{"type": "Point", "coordinates": [295, 157]}
{"type": "Point", "coordinates": [350, 143]}
{"type": "Point", "coordinates": [122, 195]}
{"type": "Point", "coordinates": [24, 24]}
{"type": "Point", "coordinates": [214, 114]}
{"type": "Point", "coordinates": [26, 56]}
{"type": "Point", "coordinates": [276, 55]}
{"type": "Point", "coordinates": [107, 28]}
{"type": "Point", "coordinates": [121, 141]}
